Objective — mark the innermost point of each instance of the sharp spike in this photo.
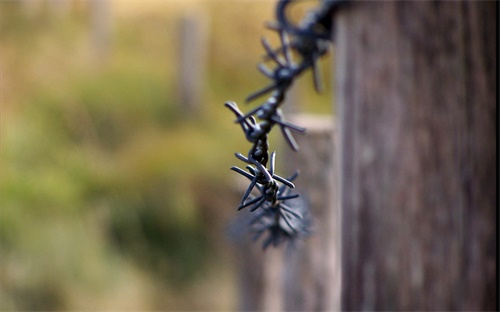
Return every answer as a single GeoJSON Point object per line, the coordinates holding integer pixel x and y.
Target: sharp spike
{"type": "Point", "coordinates": [286, 197]}
{"type": "Point", "coordinates": [289, 138]}
{"type": "Point", "coordinates": [284, 181]}
{"type": "Point", "coordinates": [286, 47]}
{"type": "Point", "coordinates": [283, 123]}
{"type": "Point", "coordinates": [272, 161]}
{"type": "Point", "coordinates": [242, 172]}
{"type": "Point", "coordinates": [258, 204]}
{"type": "Point", "coordinates": [242, 158]}
{"type": "Point", "coordinates": [261, 92]}
{"type": "Point", "coordinates": [270, 52]}
{"type": "Point", "coordinates": [290, 223]}
{"type": "Point", "coordinates": [266, 71]}
{"type": "Point", "coordinates": [316, 76]}
{"type": "Point", "coordinates": [250, 202]}
{"type": "Point", "coordinates": [248, 191]}
{"type": "Point", "coordinates": [290, 210]}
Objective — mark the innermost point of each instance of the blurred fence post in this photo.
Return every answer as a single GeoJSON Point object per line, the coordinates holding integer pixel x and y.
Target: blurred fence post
{"type": "Point", "coordinates": [305, 277]}
{"type": "Point", "coordinates": [260, 272]}
{"type": "Point", "coordinates": [312, 269]}
{"type": "Point", "coordinates": [250, 268]}
{"type": "Point", "coordinates": [416, 97]}
{"type": "Point", "coordinates": [272, 287]}
{"type": "Point", "coordinates": [100, 29]}
{"type": "Point", "coordinates": [193, 57]}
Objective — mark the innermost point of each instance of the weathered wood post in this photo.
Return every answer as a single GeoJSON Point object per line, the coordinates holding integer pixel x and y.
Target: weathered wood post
{"type": "Point", "coordinates": [312, 270]}
{"type": "Point", "coordinates": [260, 273]}
{"type": "Point", "coordinates": [416, 102]}
{"type": "Point", "coordinates": [306, 275]}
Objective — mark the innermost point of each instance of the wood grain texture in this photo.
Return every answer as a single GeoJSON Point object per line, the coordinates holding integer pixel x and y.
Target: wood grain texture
{"type": "Point", "coordinates": [416, 101]}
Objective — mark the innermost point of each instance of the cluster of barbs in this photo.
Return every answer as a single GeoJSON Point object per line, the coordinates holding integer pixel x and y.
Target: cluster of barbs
{"type": "Point", "coordinates": [280, 215]}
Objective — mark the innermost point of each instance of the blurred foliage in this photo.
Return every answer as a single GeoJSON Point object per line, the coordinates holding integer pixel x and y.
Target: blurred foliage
{"type": "Point", "coordinates": [111, 198]}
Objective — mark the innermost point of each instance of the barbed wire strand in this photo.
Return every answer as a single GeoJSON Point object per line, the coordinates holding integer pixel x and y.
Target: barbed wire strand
{"type": "Point", "coordinates": [281, 215]}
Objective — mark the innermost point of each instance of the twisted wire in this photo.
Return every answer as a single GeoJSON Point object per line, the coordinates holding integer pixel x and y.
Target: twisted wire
{"type": "Point", "coordinates": [279, 212]}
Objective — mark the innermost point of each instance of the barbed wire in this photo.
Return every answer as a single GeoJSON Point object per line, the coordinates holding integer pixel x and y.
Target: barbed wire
{"type": "Point", "coordinates": [279, 213]}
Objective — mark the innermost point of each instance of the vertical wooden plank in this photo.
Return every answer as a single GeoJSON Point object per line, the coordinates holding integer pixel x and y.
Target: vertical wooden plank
{"type": "Point", "coordinates": [416, 102]}
{"type": "Point", "coordinates": [249, 264]}
{"type": "Point", "coordinates": [304, 276]}
{"type": "Point", "coordinates": [193, 58]}
{"type": "Point", "coordinates": [312, 268]}
{"type": "Point", "coordinates": [272, 290]}
{"type": "Point", "coordinates": [260, 272]}
{"type": "Point", "coordinates": [100, 29]}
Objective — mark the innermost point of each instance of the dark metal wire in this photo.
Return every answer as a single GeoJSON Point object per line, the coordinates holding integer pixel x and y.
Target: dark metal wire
{"type": "Point", "coordinates": [280, 214]}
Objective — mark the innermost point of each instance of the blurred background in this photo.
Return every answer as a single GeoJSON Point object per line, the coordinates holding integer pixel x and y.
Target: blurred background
{"type": "Point", "coordinates": [116, 146]}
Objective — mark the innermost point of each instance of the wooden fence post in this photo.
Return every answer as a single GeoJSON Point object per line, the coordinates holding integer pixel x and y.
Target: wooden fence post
{"type": "Point", "coordinates": [305, 277]}
{"type": "Point", "coordinates": [260, 272]}
{"type": "Point", "coordinates": [312, 269]}
{"type": "Point", "coordinates": [416, 102]}
{"type": "Point", "coordinates": [100, 29]}
{"type": "Point", "coordinates": [193, 58]}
